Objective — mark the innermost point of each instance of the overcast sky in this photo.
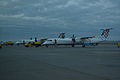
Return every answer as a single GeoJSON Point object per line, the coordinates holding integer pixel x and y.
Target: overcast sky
{"type": "Point", "coordinates": [22, 19]}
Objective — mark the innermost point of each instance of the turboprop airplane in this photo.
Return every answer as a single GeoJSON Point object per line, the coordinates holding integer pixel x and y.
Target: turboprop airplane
{"type": "Point", "coordinates": [30, 43]}
{"type": "Point", "coordinates": [26, 41]}
{"type": "Point", "coordinates": [23, 42]}
{"type": "Point", "coordinates": [94, 41]}
{"type": "Point", "coordinates": [61, 40]}
{"type": "Point", "coordinates": [84, 41]}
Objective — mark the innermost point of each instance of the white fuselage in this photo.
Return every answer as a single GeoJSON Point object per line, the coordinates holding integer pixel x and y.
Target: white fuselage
{"type": "Point", "coordinates": [69, 41]}
{"type": "Point", "coordinates": [62, 41]}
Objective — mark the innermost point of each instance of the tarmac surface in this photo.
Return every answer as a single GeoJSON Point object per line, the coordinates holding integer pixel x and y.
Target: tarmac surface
{"type": "Point", "coordinates": [60, 63]}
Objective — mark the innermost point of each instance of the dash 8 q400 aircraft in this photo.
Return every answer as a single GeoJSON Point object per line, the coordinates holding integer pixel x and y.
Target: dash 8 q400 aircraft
{"type": "Point", "coordinates": [84, 41]}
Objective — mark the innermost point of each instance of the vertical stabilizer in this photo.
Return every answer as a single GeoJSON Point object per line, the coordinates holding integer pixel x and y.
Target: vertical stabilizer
{"type": "Point", "coordinates": [105, 32]}
{"type": "Point", "coordinates": [62, 35]}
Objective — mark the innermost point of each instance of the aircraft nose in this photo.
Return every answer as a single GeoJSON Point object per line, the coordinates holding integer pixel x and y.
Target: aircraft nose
{"type": "Point", "coordinates": [45, 43]}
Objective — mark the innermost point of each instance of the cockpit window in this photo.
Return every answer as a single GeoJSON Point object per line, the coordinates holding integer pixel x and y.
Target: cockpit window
{"type": "Point", "coordinates": [49, 40]}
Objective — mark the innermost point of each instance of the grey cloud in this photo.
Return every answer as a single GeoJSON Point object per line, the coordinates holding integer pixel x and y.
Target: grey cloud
{"type": "Point", "coordinates": [103, 4]}
{"type": "Point", "coordinates": [60, 15]}
{"type": "Point", "coordinates": [22, 16]}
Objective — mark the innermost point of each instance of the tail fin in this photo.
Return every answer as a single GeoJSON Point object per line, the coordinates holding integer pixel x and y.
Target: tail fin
{"type": "Point", "coordinates": [105, 32]}
{"type": "Point", "coordinates": [62, 35]}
